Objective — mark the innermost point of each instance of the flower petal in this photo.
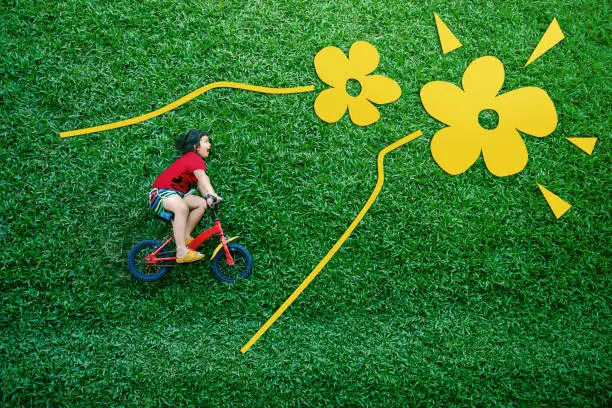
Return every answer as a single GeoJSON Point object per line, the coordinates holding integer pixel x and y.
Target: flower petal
{"type": "Point", "coordinates": [363, 58]}
{"type": "Point", "coordinates": [483, 78]}
{"type": "Point", "coordinates": [504, 151]}
{"type": "Point", "coordinates": [332, 66]}
{"type": "Point", "coordinates": [529, 110]}
{"type": "Point", "coordinates": [362, 112]}
{"type": "Point", "coordinates": [380, 89]}
{"type": "Point", "coordinates": [454, 150]}
{"type": "Point", "coordinates": [331, 104]}
{"type": "Point", "coordinates": [446, 102]}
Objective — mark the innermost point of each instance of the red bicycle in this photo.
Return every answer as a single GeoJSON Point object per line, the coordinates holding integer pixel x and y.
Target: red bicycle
{"type": "Point", "coordinates": [149, 260]}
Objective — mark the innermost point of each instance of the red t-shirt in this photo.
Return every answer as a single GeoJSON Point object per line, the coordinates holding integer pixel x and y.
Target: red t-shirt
{"type": "Point", "coordinates": [179, 176]}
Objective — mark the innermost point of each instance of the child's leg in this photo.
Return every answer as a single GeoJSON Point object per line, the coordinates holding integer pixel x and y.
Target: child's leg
{"type": "Point", "coordinates": [197, 207]}
{"type": "Point", "coordinates": [180, 209]}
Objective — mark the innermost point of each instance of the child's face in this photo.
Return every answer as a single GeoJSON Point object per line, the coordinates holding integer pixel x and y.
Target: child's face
{"type": "Point", "coordinates": [204, 148]}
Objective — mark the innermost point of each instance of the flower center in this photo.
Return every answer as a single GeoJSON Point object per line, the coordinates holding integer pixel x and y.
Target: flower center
{"type": "Point", "coordinates": [488, 119]}
{"type": "Point", "coordinates": [353, 87]}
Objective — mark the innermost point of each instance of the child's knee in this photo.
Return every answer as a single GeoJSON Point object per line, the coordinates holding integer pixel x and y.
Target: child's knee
{"type": "Point", "coordinates": [201, 205]}
{"type": "Point", "coordinates": [183, 209]}
{"type": "Point", "coordinates": [178, 207]}
{"type": "Point", "coordinates": [197, 203]}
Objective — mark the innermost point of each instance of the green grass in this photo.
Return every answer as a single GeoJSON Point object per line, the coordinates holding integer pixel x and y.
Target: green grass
{"type": "Point", "coordinates": [452, 291]}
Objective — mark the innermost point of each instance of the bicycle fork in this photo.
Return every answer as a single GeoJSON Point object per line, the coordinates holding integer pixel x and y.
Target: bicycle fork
{"type": "Point", "coordinates": [224, 241]}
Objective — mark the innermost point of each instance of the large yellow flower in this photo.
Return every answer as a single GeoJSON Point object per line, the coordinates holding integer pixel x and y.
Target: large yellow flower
{"type": "Point", "coordinates": [456, 147]}
{"type": "Point", "coordinates": [335, 69]}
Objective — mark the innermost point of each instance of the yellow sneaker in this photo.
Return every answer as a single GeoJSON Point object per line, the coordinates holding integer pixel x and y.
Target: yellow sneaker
{"type": "Point", "coordinates": [190, 256]}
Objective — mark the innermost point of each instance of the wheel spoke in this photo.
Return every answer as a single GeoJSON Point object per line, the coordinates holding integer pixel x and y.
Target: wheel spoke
{"type": "Point", "coordinates": [241, 268]}
{"type": "Point", "coordinates": [142, 269]}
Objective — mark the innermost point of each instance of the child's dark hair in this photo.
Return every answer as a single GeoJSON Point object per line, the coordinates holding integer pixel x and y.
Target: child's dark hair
{"type": "Point", "coordinates": [189, 141]}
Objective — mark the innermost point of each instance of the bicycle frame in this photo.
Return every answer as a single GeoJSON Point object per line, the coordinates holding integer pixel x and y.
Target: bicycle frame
{"type": "Point", "coordinates": [216, 229]}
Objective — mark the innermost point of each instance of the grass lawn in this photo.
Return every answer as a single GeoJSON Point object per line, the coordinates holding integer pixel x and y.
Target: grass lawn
{"type": "Point", "coordinates": [453, 290]}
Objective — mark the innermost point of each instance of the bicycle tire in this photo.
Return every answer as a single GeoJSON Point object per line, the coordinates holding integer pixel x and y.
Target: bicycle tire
{"type": "Point", "coordinates": [139, 269]}
{"type": "Point", "coordinates": [243, 264]}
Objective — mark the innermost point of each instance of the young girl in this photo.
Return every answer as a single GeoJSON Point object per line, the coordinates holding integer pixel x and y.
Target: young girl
{"type": "Point", "coordinates": [173, 191]}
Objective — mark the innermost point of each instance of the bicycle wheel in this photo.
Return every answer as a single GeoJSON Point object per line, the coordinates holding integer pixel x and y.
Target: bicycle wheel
{"type": "Point", "coordinates": [243, 264]}
{"type": "Point", "coordinates": [142, 270]}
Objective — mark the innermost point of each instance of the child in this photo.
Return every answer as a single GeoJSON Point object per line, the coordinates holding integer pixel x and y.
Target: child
{"type": "Point", "coordinates": [173, 191]}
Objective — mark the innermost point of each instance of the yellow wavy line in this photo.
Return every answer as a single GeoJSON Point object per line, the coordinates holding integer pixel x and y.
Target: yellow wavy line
{"type": "Point", "coordinates": [336, 247]}
{"type": "Point", "coordinates": [185, 99]}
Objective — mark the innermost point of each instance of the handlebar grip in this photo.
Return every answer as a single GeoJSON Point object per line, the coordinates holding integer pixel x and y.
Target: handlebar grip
{"type": "Point", "coordinates": [213, 198]}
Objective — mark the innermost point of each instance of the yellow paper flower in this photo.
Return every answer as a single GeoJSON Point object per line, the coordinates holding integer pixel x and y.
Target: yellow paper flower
{"type": "Point", "coordinates": [335, 69]}
{"type": "Point", "coordinates": [456, 147]}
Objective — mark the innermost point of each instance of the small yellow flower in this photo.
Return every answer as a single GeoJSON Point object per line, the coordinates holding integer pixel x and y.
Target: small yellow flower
{"type": "Point", "coordinates": [335, 69]}
{"type": "Point", "coordinates": [456, 147]}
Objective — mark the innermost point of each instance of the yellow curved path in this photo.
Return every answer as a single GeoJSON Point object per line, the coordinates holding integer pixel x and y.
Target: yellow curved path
{"type": "Point", "coordinates": [336, 247]}
{"type": "Point", "coordinates": [185, 99]}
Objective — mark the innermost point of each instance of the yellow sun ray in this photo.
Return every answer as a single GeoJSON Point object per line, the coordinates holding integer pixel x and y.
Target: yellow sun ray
{"type": "Point", "coordinates": [556, 203]}
{"type": "Point", "coordinates": [447, 39]}
{"type": "Point", "coordinates": [551, 37]}
{"type": "Point", "coordinates": [586, 144]}
{"type": "Point", "coordinates": [338, 244]}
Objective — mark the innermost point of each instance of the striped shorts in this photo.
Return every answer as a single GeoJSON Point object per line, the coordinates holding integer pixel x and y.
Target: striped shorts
{"type": "Point", "coordinates": [156, 195]}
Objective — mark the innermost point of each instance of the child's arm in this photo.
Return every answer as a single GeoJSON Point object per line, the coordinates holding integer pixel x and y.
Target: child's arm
{"type": "Point", "coordinates": [204, 185]}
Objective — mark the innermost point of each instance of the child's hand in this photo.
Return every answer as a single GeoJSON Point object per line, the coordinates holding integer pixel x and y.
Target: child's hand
{"type": "Point", "coordinates": [212, 200]}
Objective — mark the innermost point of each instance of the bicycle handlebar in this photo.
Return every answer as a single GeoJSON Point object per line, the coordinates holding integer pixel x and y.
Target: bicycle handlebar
{"type": "Point", "coordinates": [214, 198]}
{"type": "Point", "coordinates": [214, 208]}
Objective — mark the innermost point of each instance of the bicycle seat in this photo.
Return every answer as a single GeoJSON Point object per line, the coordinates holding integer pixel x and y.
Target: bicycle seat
{"type": "Point", "coordinates": [167, 216]}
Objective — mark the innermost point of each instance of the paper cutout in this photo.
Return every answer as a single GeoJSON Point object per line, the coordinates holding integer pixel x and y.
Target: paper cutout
{"type": "Point", "coordinates": [551, 37]}
{"type": "Point", "coordinates": [587, 144]}
{"type": "Point", "coordinates": [335, 69]}
{"type": "Point", "coordinates": [448, 41]}
{"type": "Point", "coordinates": [457, 147]}
{"type": "Point", "coordinates": [556, 204]}
{"type": "Point", "coordinates": [183, 100]}
{"type": "Point", "coordinates": [337, 245]}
